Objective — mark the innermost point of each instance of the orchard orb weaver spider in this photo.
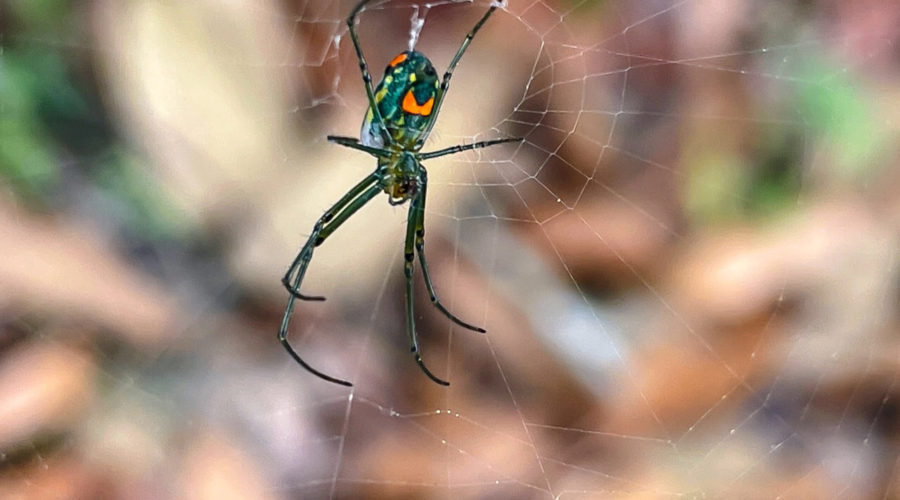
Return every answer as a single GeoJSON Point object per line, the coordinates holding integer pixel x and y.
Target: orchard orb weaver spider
{"type": "Point", "coordinates": [402, 111]}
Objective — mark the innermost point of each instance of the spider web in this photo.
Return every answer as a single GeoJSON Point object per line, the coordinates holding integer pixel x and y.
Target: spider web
{"type": "Point", "coordinates": [687, 269]}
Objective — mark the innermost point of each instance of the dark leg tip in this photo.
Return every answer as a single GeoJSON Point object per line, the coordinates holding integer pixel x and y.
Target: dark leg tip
{"type": "Point", "coordinates": [287, 346]}
{"type": "Point", "coordinates": [287, 285]}
{"type": "Point", "coordinates": [428, 372]}
{"type": "Point", "coordinates": [476, 329]}
{"type": "Point", "coordinates": [311, 298]}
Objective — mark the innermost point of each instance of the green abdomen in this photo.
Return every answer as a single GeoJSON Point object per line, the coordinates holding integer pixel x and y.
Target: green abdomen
{"type": "Point", "coordinates": [405, 101]}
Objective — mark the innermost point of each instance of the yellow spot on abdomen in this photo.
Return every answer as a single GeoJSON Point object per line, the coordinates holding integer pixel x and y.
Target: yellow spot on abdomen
{"type": "Point", "coordinates": [380, 94]}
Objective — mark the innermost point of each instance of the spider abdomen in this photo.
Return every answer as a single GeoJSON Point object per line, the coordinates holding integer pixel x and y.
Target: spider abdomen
{"type": "Point", "coordinates": [405, 98]}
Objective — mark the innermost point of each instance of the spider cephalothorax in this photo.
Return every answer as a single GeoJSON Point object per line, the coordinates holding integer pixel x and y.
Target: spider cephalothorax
{"type": "Point", "coordinates": [402, 111]}
{"type": "Point", "coordinates": [401, 176]}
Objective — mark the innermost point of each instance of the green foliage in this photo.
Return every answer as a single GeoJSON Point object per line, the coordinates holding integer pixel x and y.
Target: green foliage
{"type": "Point", "coordinates": [712, 180]}
{"type": "Point", "coordinates": [837, 109]}
{"type": "Point", "coordinates": [27, 151]}
{"type": "Point", "coordinates": [724, 185]}
{"type": "Point", "coordinates": [54, 127]}
{"type": "Point", "coordinates": [48, 16]}
{"type": "Point", "coordinates": [140, 205]}
{"type": "Point", "coordinates": [835, 124]}
{"type": "Point", "coordinates": [585, 7]}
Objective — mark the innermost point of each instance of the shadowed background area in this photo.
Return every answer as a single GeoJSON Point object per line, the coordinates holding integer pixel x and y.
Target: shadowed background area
{"type": "Point", "coordinates": [688, 270]}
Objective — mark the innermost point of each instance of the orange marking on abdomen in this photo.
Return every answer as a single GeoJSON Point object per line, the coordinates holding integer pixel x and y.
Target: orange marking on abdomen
{"type": "Point", "coordinates": [411, 106]}
{"type": "Point", "coordinates": [397, 60]}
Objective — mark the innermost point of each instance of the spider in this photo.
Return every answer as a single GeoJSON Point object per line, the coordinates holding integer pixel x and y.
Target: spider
{"type": "Point", "coordinates": [402, 111]}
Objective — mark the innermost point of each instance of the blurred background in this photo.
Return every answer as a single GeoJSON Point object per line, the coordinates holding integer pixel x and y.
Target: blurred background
{"type": "Point", "coordinates": [688, 270]}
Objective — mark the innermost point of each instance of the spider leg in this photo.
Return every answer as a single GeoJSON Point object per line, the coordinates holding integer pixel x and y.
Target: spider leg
{"type": "Point", "coordinates": [366, 76]}
{"type": "Point", "coordinates": [316, 239]}
{"type": "Point", "coordinates": [327, 220]}
{"type": "Point", "coordinates": [420, 249]}
{"type": "Point", "coordinates": [409, 256]}
{"type": "Point", "coordinates": [445, 81]}
{"type": "Point", "coordinates": [466, 147]}
{"type": "Point", "coordinates": [353, 143]}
